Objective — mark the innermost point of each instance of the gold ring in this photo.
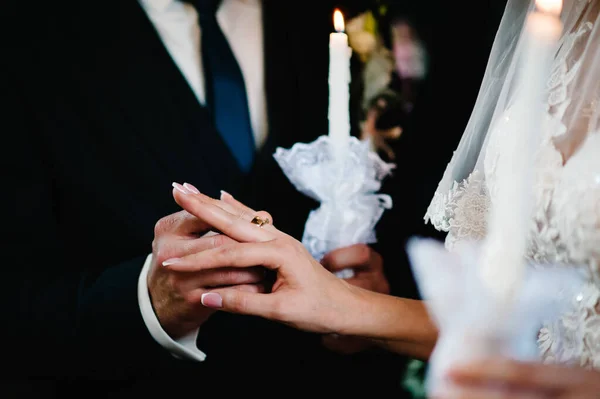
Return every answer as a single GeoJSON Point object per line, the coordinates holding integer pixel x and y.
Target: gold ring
{"type": "Point", "coordinates": [259, 221]}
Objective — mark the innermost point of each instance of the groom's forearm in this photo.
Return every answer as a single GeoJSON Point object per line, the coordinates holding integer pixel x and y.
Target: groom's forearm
{"type": "Point", "coordinates": [89, 328]}
{"type": "Point", "coordinates": [397, 324]}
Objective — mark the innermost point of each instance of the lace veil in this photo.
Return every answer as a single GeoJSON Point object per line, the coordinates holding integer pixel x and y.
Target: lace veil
{"type": "Point", "coordinates": [572, 91]}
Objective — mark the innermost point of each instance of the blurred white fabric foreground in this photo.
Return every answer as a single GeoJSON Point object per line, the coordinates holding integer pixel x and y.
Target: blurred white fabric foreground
{"type": "Point", "coordinates": [565, 227]}
{"type": "Point", "coordinates": [471, 320]}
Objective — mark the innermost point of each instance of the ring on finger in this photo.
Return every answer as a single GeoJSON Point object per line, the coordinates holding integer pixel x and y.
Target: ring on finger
{"type": "Point", "coordinates": [260, 222]}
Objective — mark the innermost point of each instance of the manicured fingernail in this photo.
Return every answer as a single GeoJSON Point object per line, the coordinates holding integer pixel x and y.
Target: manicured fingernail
{"type": "Point", "coordinates": [180, 188]}
{"type": "Point", "coordinates": [225, 195]}
{"type": "Point", "coordinates": [171, 261]}
{"type": "Point", "coordinates": [211, 300]}
{"type": "Point", "coordinates": [191, 188]}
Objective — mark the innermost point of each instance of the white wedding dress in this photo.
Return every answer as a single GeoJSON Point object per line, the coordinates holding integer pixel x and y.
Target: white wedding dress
{"type": "Point", "coordinates": [566, 225]}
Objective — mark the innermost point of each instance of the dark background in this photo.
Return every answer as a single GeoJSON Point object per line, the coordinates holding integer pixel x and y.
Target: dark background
{"type": "Point", "coordinates": [458, 38]}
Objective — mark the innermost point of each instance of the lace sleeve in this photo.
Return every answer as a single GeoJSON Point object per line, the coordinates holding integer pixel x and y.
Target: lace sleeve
{"type": "Point", "coordinates": [462, 212]}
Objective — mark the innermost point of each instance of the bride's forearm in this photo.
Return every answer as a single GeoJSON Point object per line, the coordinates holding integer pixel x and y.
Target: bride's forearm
{"type": "Point", "coordinates": [397, 324]}
{"type": "Point", "coordinates": [416, 350]}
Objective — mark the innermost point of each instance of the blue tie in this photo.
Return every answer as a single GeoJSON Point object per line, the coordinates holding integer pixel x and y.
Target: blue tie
{"type": "Point", "coordinates": [225, 88]}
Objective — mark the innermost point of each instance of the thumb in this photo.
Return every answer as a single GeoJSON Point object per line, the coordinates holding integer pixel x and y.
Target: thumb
{"type": "Point", "coordinates": [239, 301]}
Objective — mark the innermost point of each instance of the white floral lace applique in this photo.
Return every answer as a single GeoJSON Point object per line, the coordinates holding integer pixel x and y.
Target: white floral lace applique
{"type": "Point", "coordinates": [462, 213]}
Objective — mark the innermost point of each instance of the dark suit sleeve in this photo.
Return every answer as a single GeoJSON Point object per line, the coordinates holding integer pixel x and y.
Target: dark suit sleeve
{"type": "Point", "coordinates": [61, 317]}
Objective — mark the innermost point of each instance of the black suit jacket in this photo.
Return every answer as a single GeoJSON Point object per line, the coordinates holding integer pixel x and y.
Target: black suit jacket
{"type": "Point", "coordinates": [102, 121]}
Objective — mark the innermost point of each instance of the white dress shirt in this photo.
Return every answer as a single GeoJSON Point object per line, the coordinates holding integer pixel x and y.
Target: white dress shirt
{"type": "Point", "coordinates": [178, 27]}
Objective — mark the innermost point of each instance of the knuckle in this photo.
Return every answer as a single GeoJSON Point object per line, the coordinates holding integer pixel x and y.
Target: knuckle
{"type": "Point", "coordinates": [161, 254]}
{"type": "Point", "coordinates": [229, 255]}
{"type": "Point", "coordinates": [170, 222]}
{"type": "Point", "coordinates": [164, 224]}
{"type": "Point", "coordinates": [218, 241]}
{"type": "Point", "coordinates": [161, 226]}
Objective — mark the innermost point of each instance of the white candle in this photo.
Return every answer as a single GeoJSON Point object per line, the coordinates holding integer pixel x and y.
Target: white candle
{"type": "Point", "coordinates": [339, 86]}
{"type": "Point", "coordinates": [510, 219]}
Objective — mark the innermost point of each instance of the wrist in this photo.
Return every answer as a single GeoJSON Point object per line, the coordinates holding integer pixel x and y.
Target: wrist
{"type": "Point", "coordinates": [353, 302]}
{"type": "Point", "coordinates": [181, 347]}
{"type": "Point", "coordinates": [172, 325]}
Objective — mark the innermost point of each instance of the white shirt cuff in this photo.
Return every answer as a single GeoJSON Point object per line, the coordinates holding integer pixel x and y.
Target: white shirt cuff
{"type": "Point", "coordinates": [184, 347]}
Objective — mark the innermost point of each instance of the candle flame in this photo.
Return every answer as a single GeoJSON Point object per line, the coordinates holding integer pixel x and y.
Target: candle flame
{"type": "Point", "coordinates": [338, 21]}
{"type": "Point", "coordinates": [549, 6]}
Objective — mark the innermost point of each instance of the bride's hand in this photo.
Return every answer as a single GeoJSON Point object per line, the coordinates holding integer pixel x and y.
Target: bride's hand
{"type": "Point", "coordinates": [305, 295]}
{"type": "Point", "coordinates": [500, 379]}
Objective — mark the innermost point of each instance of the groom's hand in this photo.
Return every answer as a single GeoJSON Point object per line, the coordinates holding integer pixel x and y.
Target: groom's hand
{"type": "Point", "coordinates": [367, 265]}
{"type": "Point", "coordinates": [176, 295]}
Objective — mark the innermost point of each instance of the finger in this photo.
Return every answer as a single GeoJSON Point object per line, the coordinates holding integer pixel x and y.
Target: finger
{"type": "Point", "coordinates": [176, 248]}
{"type": "Point", "coordinates": [204, 209]}
{"type": "Point", "coordinates": [227, 203]}
{"type": "Point", "coordinates": [191, 189]}
{"type": "Point", "coordinates": [231, 205]}
{"type": "Point", "coordinates": [485, 393]}
{"type": "Point", "coordinates": [392, 133]}
{"type": "Point", "coordinates": [199, 295]}
{"type": "Point", "coordinates": [250, 288]}
{"type": "Point", "coordinates": [241, 301]}
{"type": "Point", "coordinates": [222, 277]}
{"type": "Point", "coordinates": [518, 374]}
{"type": "Point", "coordinates": [353, 256]}
{"type": "Point", "coordinates": [181, 223]}
{"type": "Point", "coordinates": [245, 212]}
{"type": "Point", "coordinates": [206, 242]}
{"type": "Point", "coordinates": [267, 254]}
